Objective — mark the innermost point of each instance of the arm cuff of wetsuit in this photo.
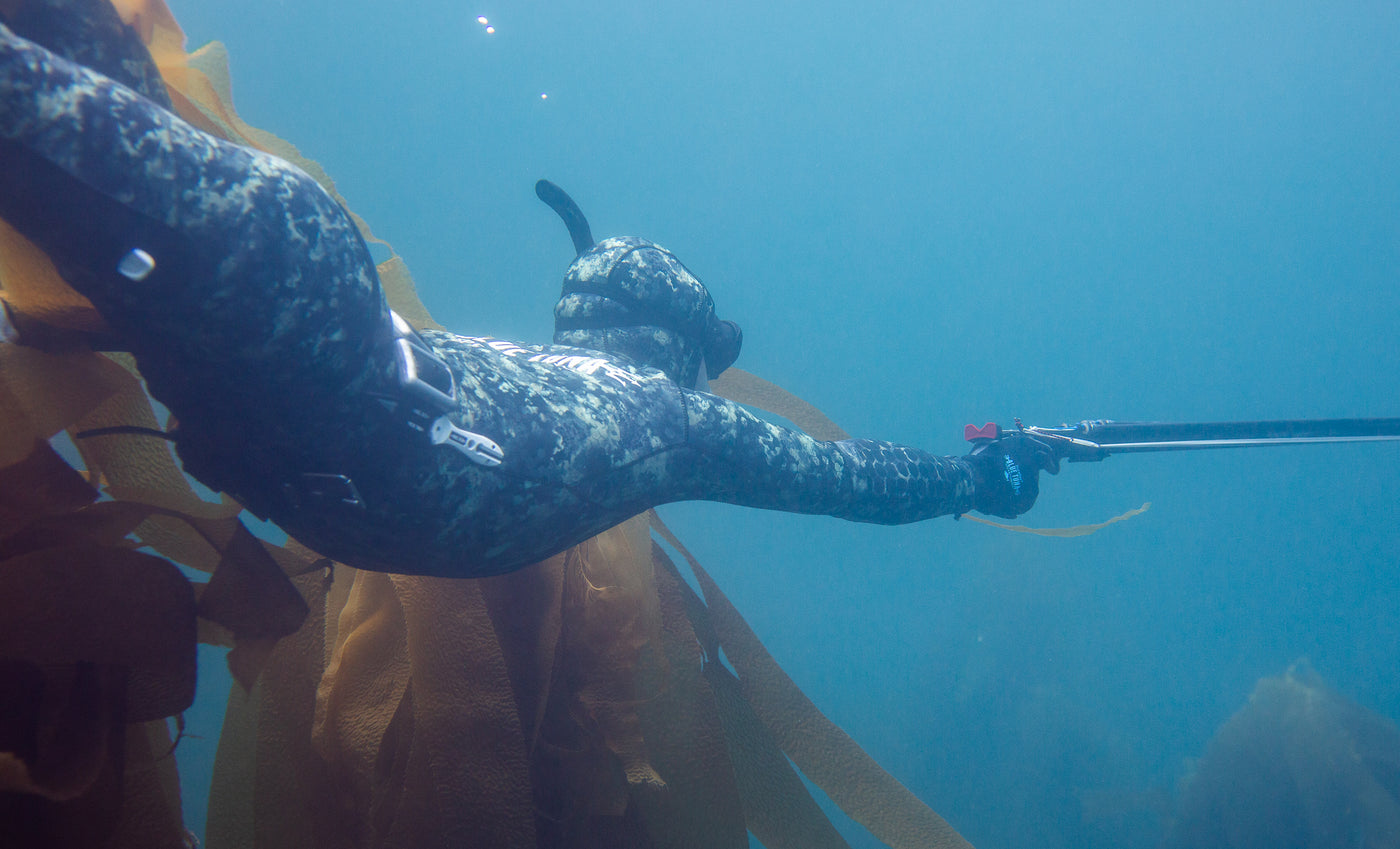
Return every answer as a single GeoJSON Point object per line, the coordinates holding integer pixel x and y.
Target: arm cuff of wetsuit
{"type": "Point", "coordinates": [965, 486]}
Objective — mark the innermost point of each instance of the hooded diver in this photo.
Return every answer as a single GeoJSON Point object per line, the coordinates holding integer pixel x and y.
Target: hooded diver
{"type": "Point", "coordinates": [255, 313]}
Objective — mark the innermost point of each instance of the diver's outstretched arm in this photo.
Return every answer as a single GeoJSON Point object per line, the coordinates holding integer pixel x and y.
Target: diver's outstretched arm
{"type": "Point", "coordinates": [742, 459]}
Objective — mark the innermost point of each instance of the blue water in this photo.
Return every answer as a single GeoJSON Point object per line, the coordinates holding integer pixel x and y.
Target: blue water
{"type": "Point", "coordinates": [923, 215]}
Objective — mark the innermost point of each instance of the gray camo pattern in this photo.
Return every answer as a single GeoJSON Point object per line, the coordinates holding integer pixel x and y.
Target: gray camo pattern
{"type": "Point", "coordinates": [265, 331]}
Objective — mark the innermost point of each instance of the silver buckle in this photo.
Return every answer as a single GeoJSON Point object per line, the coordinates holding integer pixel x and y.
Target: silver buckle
{"type": "Point", "coordinates": [136, 265]}
{"type": "Point", "coordinates": [481, 450]}
{"type": "Point", "coordinates": [423, 376]}
{"type": "Point", "coordinates": [425, 379]}
{"type": "Point", "coordinates": [428, 383]}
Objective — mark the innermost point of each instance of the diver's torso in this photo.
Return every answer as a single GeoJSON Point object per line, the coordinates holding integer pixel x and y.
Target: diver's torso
{"type": "Point", "coordinates": [576, 430]}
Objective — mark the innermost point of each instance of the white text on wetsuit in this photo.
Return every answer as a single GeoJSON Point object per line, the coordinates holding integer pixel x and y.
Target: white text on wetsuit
{"type": "Point", "coordinates": [590, 366]}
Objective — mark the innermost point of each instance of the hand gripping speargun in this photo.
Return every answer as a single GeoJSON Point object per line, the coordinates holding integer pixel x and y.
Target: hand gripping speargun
{"type": "Point", "coordinates": [1090, 441]}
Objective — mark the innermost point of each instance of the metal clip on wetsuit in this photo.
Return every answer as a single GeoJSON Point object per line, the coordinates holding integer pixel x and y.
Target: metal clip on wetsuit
{"type": "Point", "coordinates": [430, 393]}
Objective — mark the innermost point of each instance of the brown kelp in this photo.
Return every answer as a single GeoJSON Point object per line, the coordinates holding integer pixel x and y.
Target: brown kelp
{"type": "Point", "coordinates": [578, 702]}
{"type": "Point", "coordinates": [1299, 765]}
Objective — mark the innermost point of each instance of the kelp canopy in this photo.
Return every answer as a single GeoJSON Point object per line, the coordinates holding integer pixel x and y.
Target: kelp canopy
{"type": "Point", "coordinates": [579, 702]}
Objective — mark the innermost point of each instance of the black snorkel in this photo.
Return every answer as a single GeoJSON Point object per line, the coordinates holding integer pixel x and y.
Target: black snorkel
{"type": "Point", "coordinates": [564, 206]}
{"type": "Point", "coordinates": [630, 323]}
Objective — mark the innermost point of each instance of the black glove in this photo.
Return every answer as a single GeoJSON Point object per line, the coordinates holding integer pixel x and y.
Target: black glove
{"type": "Point", "coordinates": [1006, 473]}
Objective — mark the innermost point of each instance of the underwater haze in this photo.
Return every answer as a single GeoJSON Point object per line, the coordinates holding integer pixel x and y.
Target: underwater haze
{"type": "Point", "coordinates": [925, 214]}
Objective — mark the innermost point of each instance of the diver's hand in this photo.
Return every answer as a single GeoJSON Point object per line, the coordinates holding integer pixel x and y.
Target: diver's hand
{"type": "Point", "coordinates": [1006, 473]}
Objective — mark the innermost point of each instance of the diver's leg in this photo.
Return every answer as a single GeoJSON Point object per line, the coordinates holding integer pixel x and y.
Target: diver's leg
{"type": "Point", "coordinates": [742, 459]}
{"type": "Point", "coordinates": [91, 33]}
{"type": "Point", "coordinates": [254, 263]}
{"type": "Point", "coordinates": [243, 288]}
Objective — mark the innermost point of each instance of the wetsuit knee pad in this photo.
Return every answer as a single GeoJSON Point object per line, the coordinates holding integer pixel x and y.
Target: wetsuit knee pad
{"type": "Point", "coordinates": [632, 297]}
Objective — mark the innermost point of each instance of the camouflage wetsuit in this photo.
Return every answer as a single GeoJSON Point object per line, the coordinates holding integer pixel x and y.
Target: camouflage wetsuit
{"type": "Point", "coordinates": [264, 329]}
